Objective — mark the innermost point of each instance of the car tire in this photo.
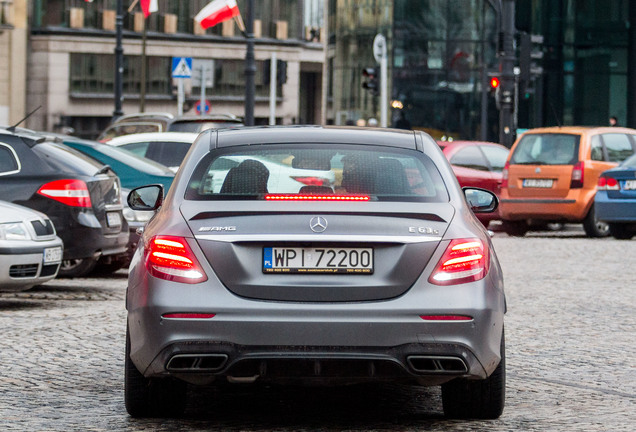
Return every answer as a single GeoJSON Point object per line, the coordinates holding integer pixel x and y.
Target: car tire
{"type": "Point", "coordinates": [477, 399]}
{"type": "Point", "coordinates": [594, 227]}
{"type": "Point", "coordinates": [73, 268]}
{"type": "Point", "coordinates": [621, 231]}
{"type": "Point", "coordinates": [515, 228]}
{"type": "Point", "coordinates": [151, 397]}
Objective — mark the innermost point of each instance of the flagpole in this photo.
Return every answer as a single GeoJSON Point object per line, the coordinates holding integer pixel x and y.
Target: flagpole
{"type": "Point", "coordinates": [250, 66]}
{"type": "Point", "coordinates": [119, 60]}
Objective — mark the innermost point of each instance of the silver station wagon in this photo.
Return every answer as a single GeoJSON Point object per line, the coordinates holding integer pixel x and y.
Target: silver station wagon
{"type": "Point", "coordinates": [369, 266]}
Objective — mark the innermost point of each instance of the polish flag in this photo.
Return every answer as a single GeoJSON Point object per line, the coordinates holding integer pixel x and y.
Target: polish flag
{"type": "Point", "coordinates": [217, 12]}
{"type": "Point", "coordinates": [148, 7]}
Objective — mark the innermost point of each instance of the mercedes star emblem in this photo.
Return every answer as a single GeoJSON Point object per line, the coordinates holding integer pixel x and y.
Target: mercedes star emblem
{"type": "Point", "coordinates": [318, 224]}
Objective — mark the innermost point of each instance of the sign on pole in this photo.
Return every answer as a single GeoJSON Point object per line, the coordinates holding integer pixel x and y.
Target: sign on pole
{"type": "Point", "coordinates": [380, 55]}
{"type": "Point", "coordinates": [181, 67]}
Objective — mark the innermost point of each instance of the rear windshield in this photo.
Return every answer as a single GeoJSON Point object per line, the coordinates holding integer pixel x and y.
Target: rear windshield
{"type": "Point", "coordinates": [546, 149]}
{"type": "Point", "coordinates": [373, 173]}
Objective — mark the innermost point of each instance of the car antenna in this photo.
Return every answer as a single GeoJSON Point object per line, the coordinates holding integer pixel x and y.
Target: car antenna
{"type": "Point", "coordinates": [12, 128]}
{"type": "Point", "coordinates": [556, 117]}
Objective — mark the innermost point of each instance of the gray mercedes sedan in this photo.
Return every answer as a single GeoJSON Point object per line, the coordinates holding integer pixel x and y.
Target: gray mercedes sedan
{"type": "Point", "coordinates": [315, 255]}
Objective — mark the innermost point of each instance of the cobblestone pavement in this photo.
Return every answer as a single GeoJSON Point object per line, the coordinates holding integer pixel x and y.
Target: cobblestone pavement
{"type": "Point", "coordinates": [571, 355]}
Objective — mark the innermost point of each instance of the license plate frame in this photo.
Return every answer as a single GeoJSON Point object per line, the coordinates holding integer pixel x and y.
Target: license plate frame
{"type": "Point", "coordinates": [538, 183]}
{"type": "Point", "coordinates": [629, 185]}
{"type": "Point", "coordinates": [113, 219]}
{"type": "Point", "coordinates": [318, 260]}
{"type": "Point", "coordinates": [52, 255]}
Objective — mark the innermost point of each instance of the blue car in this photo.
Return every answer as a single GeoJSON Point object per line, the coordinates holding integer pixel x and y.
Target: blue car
{"type": "Point", "coordinates": [133, 171]}
{"type": "Point", "coordinates": [615, 200]}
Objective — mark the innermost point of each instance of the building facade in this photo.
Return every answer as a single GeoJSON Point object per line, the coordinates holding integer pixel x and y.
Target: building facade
{"type": "Point", "coordinates": [71, 61]}
{"type": "Point", "coordinates": [443, 52]}
{"type": "Point", "coordinates": [13, 48]}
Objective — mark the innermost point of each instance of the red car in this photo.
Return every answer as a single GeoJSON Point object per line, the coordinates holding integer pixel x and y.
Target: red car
{"type": "Point", "coordinates": [479, 164]}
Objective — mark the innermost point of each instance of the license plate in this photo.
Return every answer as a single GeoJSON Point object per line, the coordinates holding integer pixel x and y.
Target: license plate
{"type": "Point", "coordinates": [113, 219]}
{"type": "Point", "coordinates": [629, 185]}
{"type": "Point", "coordinates": [53, 254]}
{"type": "Point", "coordinates": [537, 183]}
{"type": "Point", "coordinates": [317, 260]}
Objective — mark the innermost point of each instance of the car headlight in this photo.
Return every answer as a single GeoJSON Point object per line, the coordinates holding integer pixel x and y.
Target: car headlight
{"type": "Point", "coordinates": [14, 231]}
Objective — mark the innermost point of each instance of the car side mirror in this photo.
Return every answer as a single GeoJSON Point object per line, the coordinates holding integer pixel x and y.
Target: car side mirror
{"type": "Point", "coordinates": [481, 200]}
{"type": "Point", "coordinates": [146, 198]}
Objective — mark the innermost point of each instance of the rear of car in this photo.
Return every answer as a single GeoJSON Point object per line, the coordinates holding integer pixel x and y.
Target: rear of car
{"type": "Point", "coordinates": [30, 250]}
{"type": "Point", "coordinates": [199, 123]}
{"type": "Point", "coordinates": [615, 201]}
{"type": "Point", "coordinates": [80, 195]}
{"type": "Point", "coordinates": [376, 271]}
{"type": "Point", "coordinates": [136, 123]}
{"type": "Point", "coordinates": [551, 176]}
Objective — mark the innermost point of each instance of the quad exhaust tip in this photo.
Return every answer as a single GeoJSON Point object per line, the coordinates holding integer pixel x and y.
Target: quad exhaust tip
{"type": "Point", "coordinates": [437, 364]}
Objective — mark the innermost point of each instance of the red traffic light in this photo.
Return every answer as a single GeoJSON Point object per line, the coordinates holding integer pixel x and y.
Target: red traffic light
{"type": "Point", "coordinates": [494, 82]}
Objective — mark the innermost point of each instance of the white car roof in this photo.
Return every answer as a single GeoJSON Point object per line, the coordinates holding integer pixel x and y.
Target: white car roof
{"type": "Point", "coordinates": [154, 136]}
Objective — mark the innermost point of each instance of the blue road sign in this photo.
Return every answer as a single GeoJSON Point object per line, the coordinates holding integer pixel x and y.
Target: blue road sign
{"type": "Point", "coordinates": [181, 67]}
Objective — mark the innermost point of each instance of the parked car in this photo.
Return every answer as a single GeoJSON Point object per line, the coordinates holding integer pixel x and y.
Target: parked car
{"type": "Point", "coordinates": [551, 176]}
{"type": "Point", "coordinates": [167, 148]}
{"type": "Point", "coordinates": [199, 123]}
{"type": "Point", "coordinates": [479, 164]}
{"type": "Point", "coordinates": [615, 201]}
{"type": "Point", "coordinates": [80, 195]}
{"type": "Point", "coordinates": [384, 277]}
{"type": "Point", "coordinates": [133, 171]}
{"type": "Point", "coordinates": [136, 123]}
{"type": "Point", "coordinates": [30, 251]}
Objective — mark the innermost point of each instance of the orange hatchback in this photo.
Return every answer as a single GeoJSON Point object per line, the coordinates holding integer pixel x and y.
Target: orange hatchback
{"type": "Point", "coordinates": [551, 176]}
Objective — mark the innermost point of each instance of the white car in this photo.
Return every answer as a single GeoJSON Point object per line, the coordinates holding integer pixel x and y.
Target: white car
{"type": "Point", "coordinates": [167, 148]}
{"type": "Point", "coordinates": [282, 177]}
{"type": "Point", "coordinates": [30, 250]}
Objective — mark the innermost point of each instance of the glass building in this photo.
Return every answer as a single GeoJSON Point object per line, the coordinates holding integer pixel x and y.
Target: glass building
{"type": "Point", "coordinates": [442, 53]}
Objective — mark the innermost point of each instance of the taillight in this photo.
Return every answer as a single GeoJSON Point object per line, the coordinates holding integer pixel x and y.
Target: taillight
{"type": "Point", "coordinates": [73, 193]}
{"type": "Point", "coordinates": [577, 176]}
{"type": "Point", "coordinates": [171, 258]}
{"type": "Point", "coordinates": [504, 175]}
{"type": "Point", "coordinates": [310, 181]}
{"type": "Point", "coordinates": [465, 260]}
{"type": "Point", "coordinates": [275, 197]}
{"type": "Point", "coordinates": [607, 183]}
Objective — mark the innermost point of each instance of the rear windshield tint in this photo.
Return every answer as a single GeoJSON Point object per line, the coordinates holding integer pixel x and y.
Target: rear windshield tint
{"type": "Point", "coordinates": [546, 149]}
{"type": "Point", "coordinates": [379, 173]}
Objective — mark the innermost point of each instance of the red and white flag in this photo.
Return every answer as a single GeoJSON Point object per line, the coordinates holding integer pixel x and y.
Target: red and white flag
{"type": "Point", "coordinates": [148, 7]}
{"type": "Point", "coordinates": [217, 12]}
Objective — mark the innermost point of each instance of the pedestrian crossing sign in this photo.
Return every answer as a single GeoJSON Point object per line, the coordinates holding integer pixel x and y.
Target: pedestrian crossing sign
{"type": "Point", "coordinates": [181, 67]}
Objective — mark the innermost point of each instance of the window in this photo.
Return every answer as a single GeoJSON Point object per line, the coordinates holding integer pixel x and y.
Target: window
{"type": "Point", "coordinates": [470, 157]}
{"type": "Point", "coordinates": [597, 149]}
{"type": "Point", "coordinates": [9, 163]}
{"type": "Point", "coordinates": [496, 157]}
{"type": "Point", "coordinates": [377, 174]}
{"type": "Point", "coordinates": [546, 149]}
{"type": "Point", "coordinates": [618, 147]}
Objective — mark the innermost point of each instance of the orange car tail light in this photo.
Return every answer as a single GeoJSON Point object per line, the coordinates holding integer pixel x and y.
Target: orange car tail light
{"type": "Point", "coordinates": [577, 175]}
{"type": "Point", "coordinates": [465, 260]}
{"type": "Point", "coordinates": [170, 258]}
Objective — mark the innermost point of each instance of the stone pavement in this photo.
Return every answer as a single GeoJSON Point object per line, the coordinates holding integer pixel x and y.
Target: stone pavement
{"type": "Point", "coordinates": [571, 353]}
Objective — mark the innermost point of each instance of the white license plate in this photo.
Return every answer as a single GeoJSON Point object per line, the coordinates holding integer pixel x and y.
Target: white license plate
{"type": "Point", "coordinates": [629, 185]}
{"type": "Point", "coordinates": [317, 260]}
{"type": "Point", "coordinates": [113, 219]}
{"type": "Point", "coordinates": [537, 183]}
{"type": "Point", "coordinates": [53, 254]}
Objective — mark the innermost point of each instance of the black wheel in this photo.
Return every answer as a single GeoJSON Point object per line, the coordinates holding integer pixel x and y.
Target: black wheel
{"type": "Point", "coordinates": [151, 397]}
{"type": "Point", "coordinates": [76, 267]}
{"type": "Point", "coordinates": [594, 227]}
{"type": "Point", "coordinates": [621, 231]}
{"type": "Point", "coordinates": [477, 399]}
{"type": "Point", "coordinates": [515, 228]}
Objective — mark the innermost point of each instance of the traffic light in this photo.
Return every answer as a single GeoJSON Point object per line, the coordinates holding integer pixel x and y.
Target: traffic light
{"type": "Point", "coordinates": [530, 53]}
{"type": "Point", "coordinates": [371, 80]}
{"type": "Point", "coordinates": [494, 83]}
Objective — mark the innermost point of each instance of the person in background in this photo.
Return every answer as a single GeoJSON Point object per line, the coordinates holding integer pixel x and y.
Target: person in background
{"type": "Point", "coordinates": [613, 121]}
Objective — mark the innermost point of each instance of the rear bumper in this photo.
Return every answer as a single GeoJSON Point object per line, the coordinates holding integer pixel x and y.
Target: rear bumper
{"type": "Point", "coordinates": [248, 338]}
{"type": "Point", "coordinates": [567, 209]}
{"type": "Point", "coordinates": [614, 210]}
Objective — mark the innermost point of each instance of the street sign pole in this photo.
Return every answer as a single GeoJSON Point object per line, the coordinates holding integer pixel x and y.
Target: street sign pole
{"type": "Point", "coordinates": [273, 80]}
{"type": "Point", "coordinates": [380, 55]}
{"type": "Point", "coordinates": [180, 96]}
{"type": "Point", "coordinates": [202, 100]}
{"type": "Point", "coordinates": [181, 69]}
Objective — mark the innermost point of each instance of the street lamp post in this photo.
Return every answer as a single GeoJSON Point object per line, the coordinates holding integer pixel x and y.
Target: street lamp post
{"type": "Point", "coordinates": [250, 66]}
{"type": "Point", "coordinates": [119, 61]}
